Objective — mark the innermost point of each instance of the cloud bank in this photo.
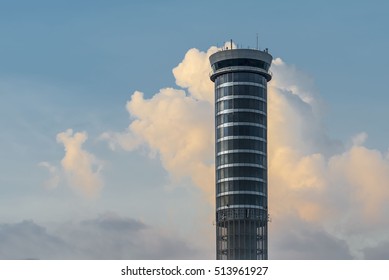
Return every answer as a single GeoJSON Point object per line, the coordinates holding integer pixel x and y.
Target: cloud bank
{"type": "Point", "coordinates": [321, 192]}
{"type": "Point", "coordinates": [107, 236]}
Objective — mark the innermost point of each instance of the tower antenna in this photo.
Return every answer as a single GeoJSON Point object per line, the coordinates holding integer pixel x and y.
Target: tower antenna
{"type": "Point", "coordinates": [257, 42]}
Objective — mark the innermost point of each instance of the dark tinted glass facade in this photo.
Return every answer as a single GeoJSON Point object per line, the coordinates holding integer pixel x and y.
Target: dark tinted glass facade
{"type": "Point", "coordinates": [241, 158]}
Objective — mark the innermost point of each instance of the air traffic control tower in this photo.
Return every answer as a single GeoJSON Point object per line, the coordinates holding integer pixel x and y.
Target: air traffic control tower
{"type": "Point", "coordinates": [240, 77]}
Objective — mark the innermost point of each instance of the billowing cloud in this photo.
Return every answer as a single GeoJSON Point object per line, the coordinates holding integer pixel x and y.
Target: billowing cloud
{"type": "Point", "coordinates": [341, 191]}
{"type": "Point", "coordinates": [337, 192]}
{"type": "Point", "coordinates": [176, 126]}
{"type": "Point", "coordinates": [108, 236]}
{"type": "Point", "coordinates": [80, 168]}
{"type": "Point", "coordinates": [192, 74]}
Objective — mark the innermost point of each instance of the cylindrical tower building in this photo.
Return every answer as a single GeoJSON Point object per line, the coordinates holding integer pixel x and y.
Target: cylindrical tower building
{"type": "Point", "coordinates": [240, 77]}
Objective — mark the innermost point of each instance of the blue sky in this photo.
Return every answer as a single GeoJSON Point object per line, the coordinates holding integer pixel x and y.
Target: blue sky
{"type": "Point", "coordinates": [75, 65]}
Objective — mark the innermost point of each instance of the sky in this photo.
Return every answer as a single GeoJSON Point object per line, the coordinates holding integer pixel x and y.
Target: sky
{"type": "Point", "coordinates": [106, 119]}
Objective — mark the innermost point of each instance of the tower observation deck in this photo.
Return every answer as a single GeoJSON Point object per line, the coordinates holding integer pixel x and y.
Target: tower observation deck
{"type": "Point", "coordinates": [240, 77]}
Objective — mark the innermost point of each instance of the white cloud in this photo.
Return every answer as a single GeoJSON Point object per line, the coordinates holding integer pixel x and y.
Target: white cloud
{"type": "Point", "coordinates": [79, 168]}
{"type": "Point", "coordinates": [82, 169]}
{"type": "Point", "coordinates": [193, 72]}
{"type": "Point", "coordinates": [293, 81]}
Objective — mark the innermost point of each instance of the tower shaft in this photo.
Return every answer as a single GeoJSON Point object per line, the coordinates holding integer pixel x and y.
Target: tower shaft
{"type": "Point", "coordinates": [240, 77]}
